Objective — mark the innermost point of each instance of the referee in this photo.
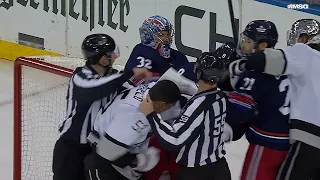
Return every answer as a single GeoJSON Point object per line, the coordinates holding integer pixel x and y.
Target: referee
{"type": "Point", "coordinates": [196, 134]}
{"type": "Point", "coordinates": [96, 80]}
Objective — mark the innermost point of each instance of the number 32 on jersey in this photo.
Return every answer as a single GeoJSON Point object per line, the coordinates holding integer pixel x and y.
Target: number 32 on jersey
{"type": "Point", "coordinates": [143, 62]}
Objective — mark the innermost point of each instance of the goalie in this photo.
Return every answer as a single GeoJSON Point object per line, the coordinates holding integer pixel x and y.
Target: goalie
{"type": "Point", "coordinates": [155, 52]}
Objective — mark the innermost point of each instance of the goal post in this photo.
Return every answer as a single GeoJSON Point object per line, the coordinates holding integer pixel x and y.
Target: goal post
{"type": "Point", "coordinates": [40, 87]}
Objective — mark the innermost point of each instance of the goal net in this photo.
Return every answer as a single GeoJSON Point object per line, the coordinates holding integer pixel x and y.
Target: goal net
{"type": "Point", "coordinates": [40, 86]}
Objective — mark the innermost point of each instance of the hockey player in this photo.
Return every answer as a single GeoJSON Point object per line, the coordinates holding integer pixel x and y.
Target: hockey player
{"type": "Point", "coordinates": [96, 80]}
{"type": "Point", "coordinates": [260, 106]}
{"type": "Point", "coordinates": [121, 133]}
{"type": "Point", "coordinates": [155, 52]}
{"type": "Point", "coordinates": [301, 62]}
{"type": "Point", "coordinates": [196, 133]}
{"type": "Point", "coordinates": [167, 166]}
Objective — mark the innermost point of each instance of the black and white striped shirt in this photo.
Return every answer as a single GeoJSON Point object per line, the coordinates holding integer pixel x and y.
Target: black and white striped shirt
{"type": "Point", "coordinates": [87, 91]}
{"type": "Point", "coordinates": [196, 133]}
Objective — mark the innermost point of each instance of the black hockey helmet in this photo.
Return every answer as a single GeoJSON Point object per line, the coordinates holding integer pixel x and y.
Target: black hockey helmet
{"type": "Point", "coordinates": [95, 46]}
{"type": "Point", "coordinates": [211, 66]}
{"type": "Point", "coordinates": [262, 31]}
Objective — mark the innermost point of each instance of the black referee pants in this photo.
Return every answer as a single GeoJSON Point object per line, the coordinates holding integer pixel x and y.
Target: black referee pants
{"type": "Point", "coordinates": [215, 171]}
{"type": "Point", "coordinates": [68, 159]}
{"type": "Point", "coordinates": [301, 163]}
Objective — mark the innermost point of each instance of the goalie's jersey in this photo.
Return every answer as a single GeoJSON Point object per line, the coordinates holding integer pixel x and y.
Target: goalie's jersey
{"type": "Point", "coordinates": [261, 101]}
{"type": "Point", "coordinates": [144, 56]}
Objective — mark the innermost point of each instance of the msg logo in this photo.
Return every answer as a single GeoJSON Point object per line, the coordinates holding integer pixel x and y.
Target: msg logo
{"type": "Point", "coordinates": [298, 6]}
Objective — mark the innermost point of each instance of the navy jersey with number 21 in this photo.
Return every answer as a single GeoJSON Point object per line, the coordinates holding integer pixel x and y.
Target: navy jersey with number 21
{"type": "Point", "coordinates": [268, 95]}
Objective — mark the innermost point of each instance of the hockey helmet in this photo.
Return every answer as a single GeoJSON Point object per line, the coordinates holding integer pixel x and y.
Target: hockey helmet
{"type": "Point", "coordinates": [150, 34]}
{"type": "Point", "coordinates": [259, 31]}
{"type": "Point", "coordinates": [309, 27]}
{"type": "Point", "coordinates": [211, 66]}
{"type": "Point", "coordinates": [95, 46]}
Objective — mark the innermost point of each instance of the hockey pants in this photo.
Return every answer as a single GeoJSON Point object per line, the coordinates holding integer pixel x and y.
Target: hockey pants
{"type": "Point", "coordinates": [262, 163]}
{"type": "Point", "coordinates": [301, 163]}
{"type": "Point", "coordinates": [68, 160]}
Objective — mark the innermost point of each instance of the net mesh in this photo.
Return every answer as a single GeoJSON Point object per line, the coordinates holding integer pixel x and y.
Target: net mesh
{"type": "Point", "coordinates": [43, 109]}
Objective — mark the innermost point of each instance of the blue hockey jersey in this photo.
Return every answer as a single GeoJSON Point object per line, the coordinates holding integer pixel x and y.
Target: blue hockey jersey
{"type": "Point", "coordinates": [261, 102]}
{"type": "Point", "coordinates": [145, 56]}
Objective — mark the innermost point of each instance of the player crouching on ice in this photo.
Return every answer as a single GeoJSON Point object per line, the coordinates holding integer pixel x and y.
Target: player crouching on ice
{"type": "Point", "coordinates": [259, 107]}
{"type": "Point", "coordinates": [155, 52]}
{"type": "Point", "coordinates": [196, 134]}
{"type": "Point", "coordinates": [121, 133]}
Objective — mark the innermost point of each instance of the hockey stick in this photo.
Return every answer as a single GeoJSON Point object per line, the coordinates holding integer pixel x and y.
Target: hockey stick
{"type": "Point", "coordinates": [233, 22]}
{"type": "Point", "coordinates": [225, 84]}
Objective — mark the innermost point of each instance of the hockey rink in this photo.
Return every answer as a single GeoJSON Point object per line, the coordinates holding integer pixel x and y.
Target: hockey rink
{"type": "Point", "coordinates": [43, 127]}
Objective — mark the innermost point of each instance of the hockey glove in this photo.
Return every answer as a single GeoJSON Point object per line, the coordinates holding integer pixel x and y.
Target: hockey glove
{"type": "Point", "coordinates": [236, 68]}
{"type": "Point", "coordinates": [227, 134]}
{"type": "Point", "coordinates": [147, 159]}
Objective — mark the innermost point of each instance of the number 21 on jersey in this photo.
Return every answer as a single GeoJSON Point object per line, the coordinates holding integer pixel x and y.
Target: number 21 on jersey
{"type": "Point", "coordinates": [143, 62]}
{"type": "Point", "coordinates": [283, 87]}
{"type": "Point", "coordinates": [248, 83]}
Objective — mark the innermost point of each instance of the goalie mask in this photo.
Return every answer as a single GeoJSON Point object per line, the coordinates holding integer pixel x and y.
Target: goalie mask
{"type": "Point", "coordinates": [95, 46]}
{"type": "Point", "coordinates": [256, 32]}
{"type": "Point", "coordinates": [157, 32]}
{"type": "Point", "coordinates": [212, 66]}
{"type": "Point", "coordinates": [309, 27]}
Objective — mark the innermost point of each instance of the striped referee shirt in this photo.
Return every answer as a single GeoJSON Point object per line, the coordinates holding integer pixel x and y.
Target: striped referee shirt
{"type": "Point", "coordinates": [196, 133]}
{"type": "Point", "coordinates": [87, 93]}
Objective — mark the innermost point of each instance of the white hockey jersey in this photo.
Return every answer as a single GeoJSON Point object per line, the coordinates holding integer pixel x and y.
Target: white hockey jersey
{"type": "Point", "coordinates": [124, 128]}
{"type": "Point", "coordinates": [122, 120]}
{"type": "Point", "coordinates": [302, 65]}
{"type": "Point", "coordinates": [303, 69]}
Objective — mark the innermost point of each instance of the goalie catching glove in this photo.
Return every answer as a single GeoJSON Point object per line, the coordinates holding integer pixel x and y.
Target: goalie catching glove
{"type": "Point", "coordinates": [147, 159]}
